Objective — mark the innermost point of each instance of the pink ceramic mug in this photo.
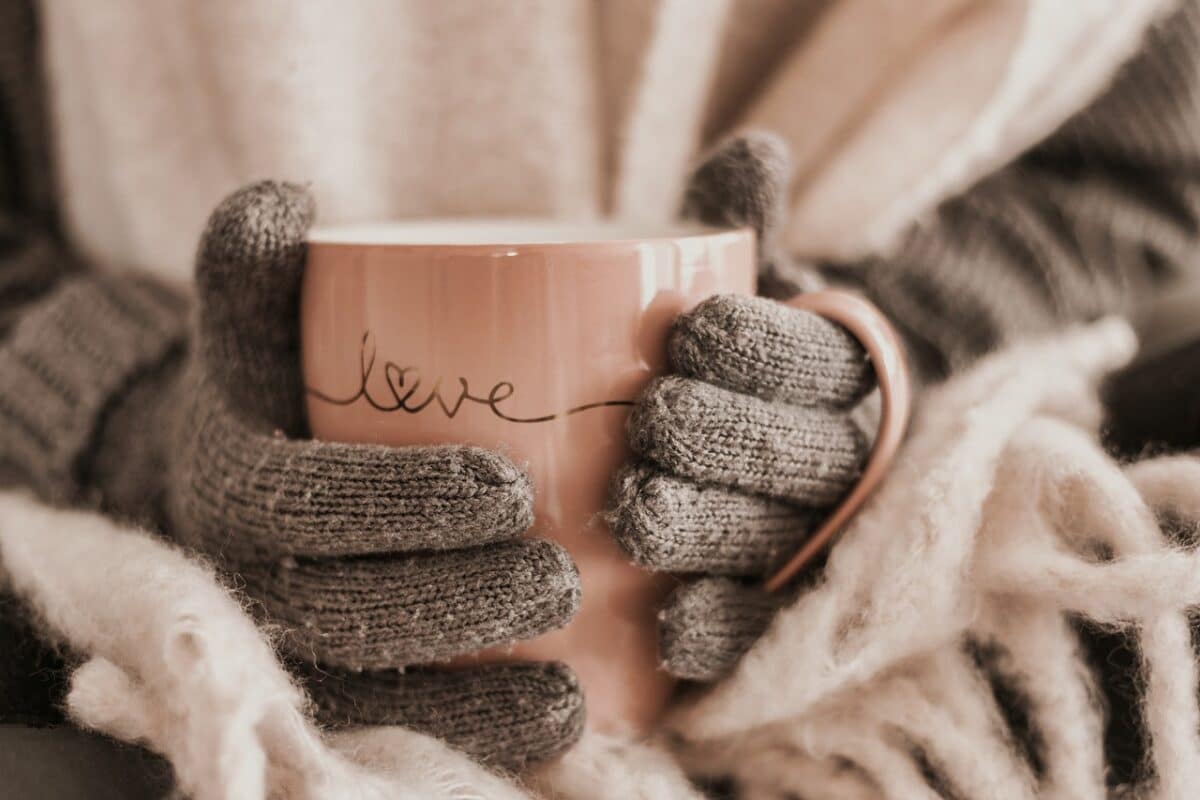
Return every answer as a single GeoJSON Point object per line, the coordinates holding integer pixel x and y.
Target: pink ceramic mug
{"type": "Point", "coordinates": [532, 338]}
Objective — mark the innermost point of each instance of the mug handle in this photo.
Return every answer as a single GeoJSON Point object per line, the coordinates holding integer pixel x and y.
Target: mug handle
{"type": "Point", "coordinates": [872, 329]}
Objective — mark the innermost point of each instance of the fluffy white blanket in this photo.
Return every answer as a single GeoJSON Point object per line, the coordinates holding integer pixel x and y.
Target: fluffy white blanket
{"type": "Point", "coordinates": [988, 529]}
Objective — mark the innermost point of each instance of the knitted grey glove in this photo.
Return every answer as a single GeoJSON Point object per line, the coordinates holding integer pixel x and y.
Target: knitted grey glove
{"type": "Point", "coordinates": [369, 558]}
{"type": "Point", "coordinates": [750, 441]}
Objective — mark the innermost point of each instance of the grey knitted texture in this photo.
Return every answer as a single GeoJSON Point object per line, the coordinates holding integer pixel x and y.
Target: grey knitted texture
{"type": "Point", "coordinates": [748, 443]}
{"type": "Point", "coordinates": [672, 524]}
{"type": "Point", "coordinates": [740, 183]}
{"type": "Point", "coordinates": [367, 557]}
{"type": "Point", "coordinates": [372, 613]}
{"type": "Point", "coordinates": [63, 362]}
{"type": "Point", "coordinates": [32, 261]}
{"type": "Point", "coordinates": [1097, 219]}
{"type": "Point", "coordinates": [304, 497]}
{"type": "Point", "coordinates": [710, 623]}
{"type": "Point", "coordinates": [510, 710]}
{"type": "Point", "coordinates": [750, 345]}
{"type": "Point", "coordinates": [324, 535]}
{"type": "Point", "coordinates": [248, 266]}
{"type": "Point", "coordinates": [701, 431]}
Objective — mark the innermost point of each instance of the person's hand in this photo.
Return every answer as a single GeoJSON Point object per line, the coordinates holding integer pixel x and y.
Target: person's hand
{"type": "Point", "coordinates": [742, 449]}
{"type": "Point", "coordinates": [368, 559]}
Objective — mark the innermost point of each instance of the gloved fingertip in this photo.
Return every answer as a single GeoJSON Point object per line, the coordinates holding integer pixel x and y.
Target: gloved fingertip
{"type": "Point", "coordinates": [248, 273]}
{"type": "Point", "coordinates": [562, 587]}
{"type": "Point", "coordinates": [261, 221]}
{"type": "Point", "coordinates": [742, 182]}
{"type": "Point", "coordinates": [667, 403]}
{"type": "Point", "coordinates": [492, 468]}
{"type": "Point", "coordinates": [495, 496]}
{"type": "Point", "coordinates": [633, 515]}
{"type": "Point", "coordinates": [564, 713]}
{"type": "Point", "coordinates": [709, 624]}
{"type": "Point", "coordinates": [760, 347]}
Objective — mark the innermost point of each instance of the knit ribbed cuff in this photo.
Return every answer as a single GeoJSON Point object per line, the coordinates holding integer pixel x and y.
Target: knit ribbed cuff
{"type": "Point", "coordinates": [68, 356]}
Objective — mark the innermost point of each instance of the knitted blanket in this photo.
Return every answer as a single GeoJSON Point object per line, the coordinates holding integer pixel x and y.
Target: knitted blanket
{"type": "Point", "coordinates": [937, 653]}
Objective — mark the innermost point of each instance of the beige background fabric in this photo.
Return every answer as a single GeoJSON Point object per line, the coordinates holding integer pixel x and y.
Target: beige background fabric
{"type": "Point", "coordinates": [533, 107]}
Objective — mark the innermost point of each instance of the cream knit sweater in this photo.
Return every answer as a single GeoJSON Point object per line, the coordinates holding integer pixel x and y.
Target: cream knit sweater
{"type": "Point", "coordinates": [404, 108]}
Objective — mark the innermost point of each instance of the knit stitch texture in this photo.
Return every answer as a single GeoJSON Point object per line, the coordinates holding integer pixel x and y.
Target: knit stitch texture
{"type": "Point", "coordinates": [1098, 219]}
{"type": "Point", "coordinates": [368, 558]}
{"type": "Point", "coordinates": [1100, 215]}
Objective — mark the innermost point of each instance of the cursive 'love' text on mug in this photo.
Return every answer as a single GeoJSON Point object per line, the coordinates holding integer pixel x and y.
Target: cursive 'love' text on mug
{"type": "Point", "coordinates": [533, 338]}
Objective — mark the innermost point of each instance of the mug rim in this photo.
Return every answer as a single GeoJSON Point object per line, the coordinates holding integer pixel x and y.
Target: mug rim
{"type": "Point", "coordinates": [491, 233]}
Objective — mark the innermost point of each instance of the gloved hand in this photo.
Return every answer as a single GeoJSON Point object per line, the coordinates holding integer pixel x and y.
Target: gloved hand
{"type": "Point", "coordinates": [368, 558]}
{"type": "Point", "coordinates": [744, 447]}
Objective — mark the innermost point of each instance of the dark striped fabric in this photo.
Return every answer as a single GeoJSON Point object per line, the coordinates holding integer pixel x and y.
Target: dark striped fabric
{"type": "Point", "coordinates": [1096, 220]}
